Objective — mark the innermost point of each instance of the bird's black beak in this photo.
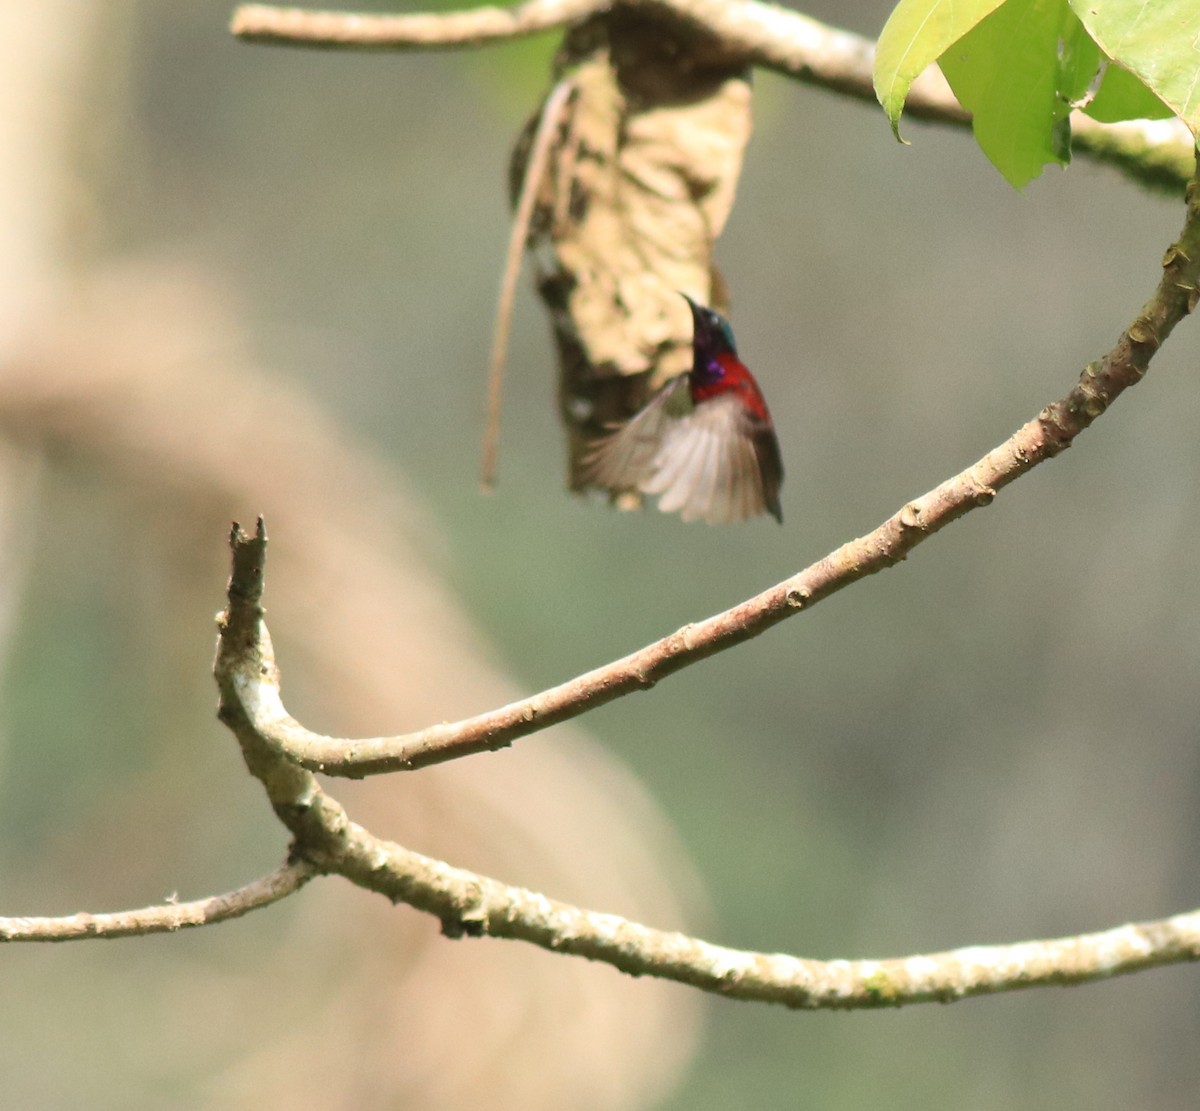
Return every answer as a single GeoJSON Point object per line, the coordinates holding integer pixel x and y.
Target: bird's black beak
{"type": "Point", "coordinates": [699, 323]}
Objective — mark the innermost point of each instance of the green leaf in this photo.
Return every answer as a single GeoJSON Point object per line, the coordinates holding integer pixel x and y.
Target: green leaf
{"type": "Point", "coordinates": [1122, 96]}
{"type": "Point", "coordinates": [916, 34]}
{"type": "Point", "coordinates": [1156, 40]}
{"type": "Point", "coordinates": [1079, 60]}
{"type": "Point", "coordinates": [1019, 72]}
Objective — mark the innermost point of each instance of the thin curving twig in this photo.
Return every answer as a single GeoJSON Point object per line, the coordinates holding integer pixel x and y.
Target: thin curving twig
{"type": "Point", "coordinates": [167, 918]}
{"type": "Point", "coordinates": [1052, 431]}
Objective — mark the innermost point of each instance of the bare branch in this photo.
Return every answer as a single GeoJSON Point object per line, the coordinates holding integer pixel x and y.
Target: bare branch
{"type": "Point", "coordinates": [472, 905]}
{"type": "Point", "coordinates": [255, 680]}
{"type": "Point", "coordinates": [1158, 152]}
{"type": "Point", "coordinates": [418, 31]}
{"type": "Point", "coordinates": [167, 918]}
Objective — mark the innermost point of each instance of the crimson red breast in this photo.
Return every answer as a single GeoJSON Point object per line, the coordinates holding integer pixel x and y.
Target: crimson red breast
{"type": "Point", "coordinates": [705, 443]}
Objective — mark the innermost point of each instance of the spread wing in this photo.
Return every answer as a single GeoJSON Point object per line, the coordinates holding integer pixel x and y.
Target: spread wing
{"type": "Point", "coordinates": [713, 462]}
{"type": "Point", "coordinates": [624, 459]}
{"type": "Point", "coordinates": [717, 464]}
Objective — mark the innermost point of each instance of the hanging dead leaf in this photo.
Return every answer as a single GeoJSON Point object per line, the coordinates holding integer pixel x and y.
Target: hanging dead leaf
{"type": "Point", "coordinates": [639, 183]}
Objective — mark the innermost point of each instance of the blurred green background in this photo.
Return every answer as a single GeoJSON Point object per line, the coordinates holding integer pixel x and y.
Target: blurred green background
{"type": "Point", "coordinates": [994, 741]}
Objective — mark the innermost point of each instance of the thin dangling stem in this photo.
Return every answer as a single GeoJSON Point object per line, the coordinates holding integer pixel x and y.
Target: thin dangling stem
{"type": "Point", "coordinates": [535, 172]}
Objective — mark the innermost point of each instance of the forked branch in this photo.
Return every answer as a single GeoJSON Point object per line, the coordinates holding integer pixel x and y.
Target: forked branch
{"type": "Point", "coordinates": [473, 905]}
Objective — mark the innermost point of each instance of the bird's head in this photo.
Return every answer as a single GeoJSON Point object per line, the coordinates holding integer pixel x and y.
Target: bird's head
{"type": "Point", "coordinates": [712, 334]}
{"type": "Point", "coordinates": [713, 349]}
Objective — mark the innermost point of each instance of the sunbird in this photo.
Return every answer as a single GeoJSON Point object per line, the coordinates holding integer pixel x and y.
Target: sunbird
{"type": "Point", "coordinates": [705, 443]}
